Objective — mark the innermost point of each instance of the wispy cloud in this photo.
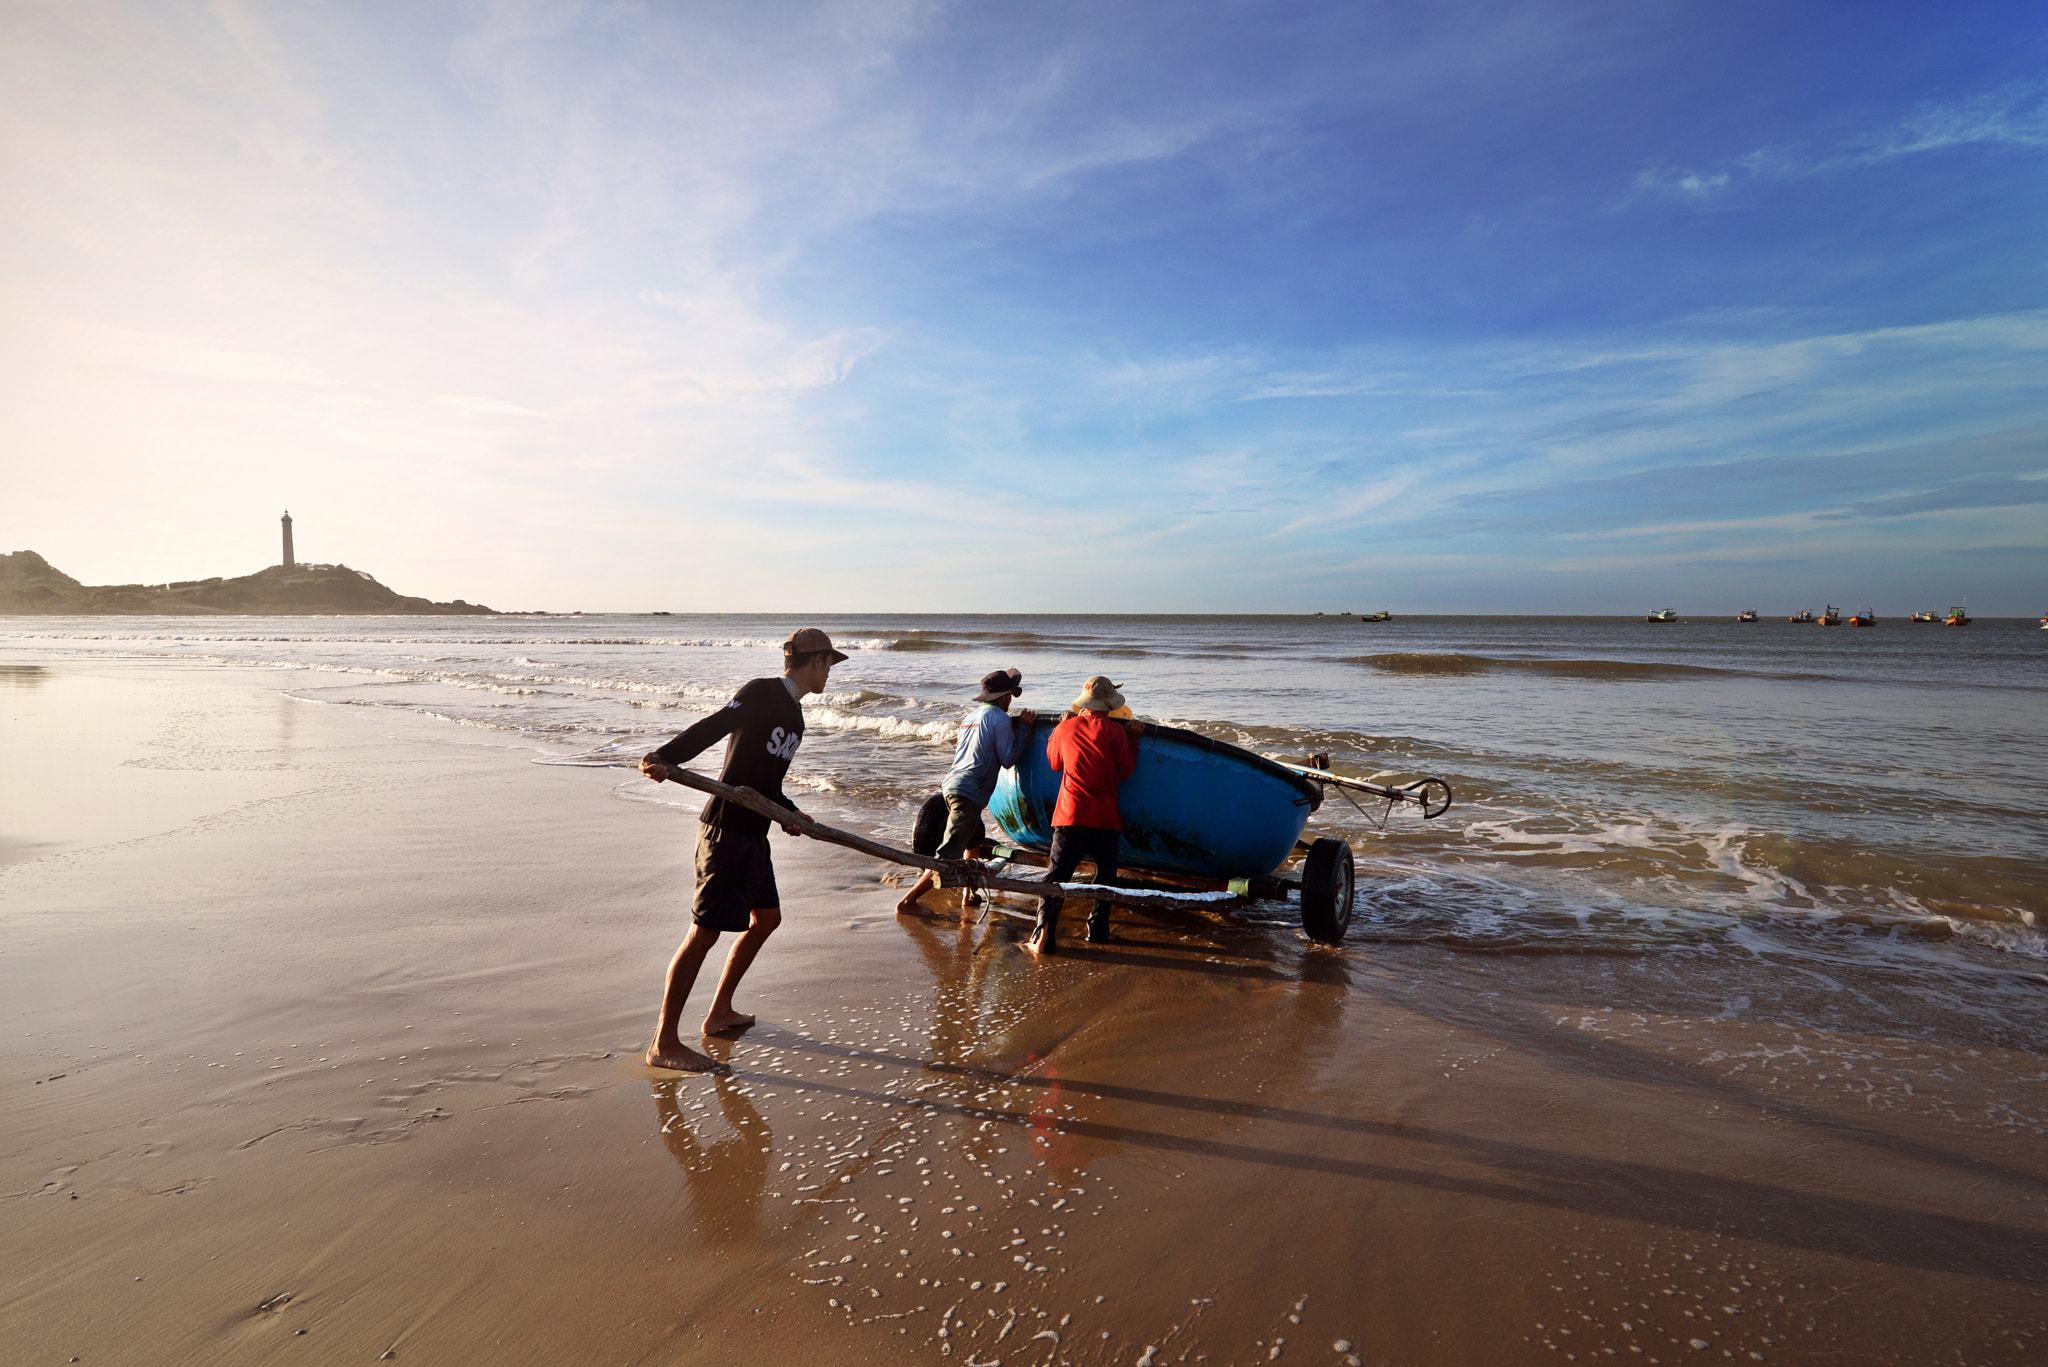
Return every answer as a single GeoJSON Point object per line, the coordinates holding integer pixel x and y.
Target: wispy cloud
{"type": "Point", "coordinates": [2015, 115]}
{"type": "Point", "coordinates": [197, 358]}
{"type": "Point", "coordinates": [1693, 186]}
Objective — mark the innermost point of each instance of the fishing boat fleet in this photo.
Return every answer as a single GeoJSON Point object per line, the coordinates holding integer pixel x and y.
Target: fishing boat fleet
{"type": "Point", "coordinates": [1831, 616]}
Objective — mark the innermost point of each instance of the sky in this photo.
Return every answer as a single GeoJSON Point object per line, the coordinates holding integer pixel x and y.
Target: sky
{"type": "Point", "coordinates": [1448, 307]}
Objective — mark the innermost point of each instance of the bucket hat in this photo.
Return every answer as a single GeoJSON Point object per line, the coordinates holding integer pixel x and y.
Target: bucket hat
{"type": "Point", "coordinates": [1099, 694]}
{"type": "Point", "coordinates": [1000, 683]}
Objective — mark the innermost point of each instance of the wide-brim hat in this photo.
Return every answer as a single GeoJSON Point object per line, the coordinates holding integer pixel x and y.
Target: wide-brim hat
{"type": "Point", "coordinates": [1099, 694]}
{"type": "Point", "coordinates": [810, 641]}
{"type": "Point", "coordinates": [1000, 683]}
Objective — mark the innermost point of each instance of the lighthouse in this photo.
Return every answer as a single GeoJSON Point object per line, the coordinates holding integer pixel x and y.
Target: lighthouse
{"type": "Point", "coordinates": [288, 561]}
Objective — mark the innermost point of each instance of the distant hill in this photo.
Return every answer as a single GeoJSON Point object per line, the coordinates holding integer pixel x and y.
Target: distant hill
{"type": "Point", "coordinates": [31, 585]}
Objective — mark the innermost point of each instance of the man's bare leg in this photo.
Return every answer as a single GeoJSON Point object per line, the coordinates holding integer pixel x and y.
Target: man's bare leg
{"type": "Point", "coordinates": [668, 1049]}
{"type": "Point", "coordinates": [722, 1015]}
{"type": "Point", "coordinates": [926, 881]}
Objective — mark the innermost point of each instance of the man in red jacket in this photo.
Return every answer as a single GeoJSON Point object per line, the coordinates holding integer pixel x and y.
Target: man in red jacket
{"type": "Point", "coordinates": [1093, 753]}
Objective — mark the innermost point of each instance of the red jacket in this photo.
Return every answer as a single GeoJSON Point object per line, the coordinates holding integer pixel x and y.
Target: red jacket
{"type": "Point", "coordinates": [1095, 754]}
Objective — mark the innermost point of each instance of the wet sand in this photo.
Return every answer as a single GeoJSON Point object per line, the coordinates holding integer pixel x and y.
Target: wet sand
{"type": "Point", "coordinates": [325, 1032]}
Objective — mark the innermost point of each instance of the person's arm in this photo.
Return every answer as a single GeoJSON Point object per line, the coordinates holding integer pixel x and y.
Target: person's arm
{"type": "Point", "coordinates": [788, 829]}
{"type": "Point", "coordinates": [782, 796]}
{"type": "Point", "coordinates": [692, 742]}
{"type": "Point", "coordinates": [1127, 760]}
{"type": "Point", "coordinates": [1056, 748]}
{"type": "Point", "coordinates": [779, 795]}
{"type": "Point", "coordinates": [1019, 732]}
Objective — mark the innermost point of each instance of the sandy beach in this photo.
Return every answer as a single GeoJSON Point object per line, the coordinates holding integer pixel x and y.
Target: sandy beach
{"type": "Point", "coordinates": [324, 1046]}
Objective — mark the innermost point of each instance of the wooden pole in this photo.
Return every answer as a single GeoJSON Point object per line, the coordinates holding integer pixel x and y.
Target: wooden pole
{"type": "Point", "coordinates": [952, 872]}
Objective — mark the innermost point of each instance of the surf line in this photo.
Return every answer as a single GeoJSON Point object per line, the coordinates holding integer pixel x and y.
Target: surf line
{"type": "Point", "coordinates": [953, 873]}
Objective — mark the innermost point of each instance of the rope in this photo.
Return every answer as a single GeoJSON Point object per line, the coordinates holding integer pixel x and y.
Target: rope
{"type": "Point", "coordinates": [1379, 822]}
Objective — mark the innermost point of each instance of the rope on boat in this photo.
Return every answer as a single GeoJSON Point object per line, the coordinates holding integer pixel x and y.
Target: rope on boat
{"type": "Point", "coordinates": [1379, 823]}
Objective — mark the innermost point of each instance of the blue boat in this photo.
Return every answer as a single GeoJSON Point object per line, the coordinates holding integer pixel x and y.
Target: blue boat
{"type": "Point", "coordinates": [1195, 805]}
{"type": "Point", "coordinates": [1202, 811]}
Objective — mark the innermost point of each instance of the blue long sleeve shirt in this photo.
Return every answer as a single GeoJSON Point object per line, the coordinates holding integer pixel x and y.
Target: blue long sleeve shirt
{"type": "Point", "coordinates": [990, 741]}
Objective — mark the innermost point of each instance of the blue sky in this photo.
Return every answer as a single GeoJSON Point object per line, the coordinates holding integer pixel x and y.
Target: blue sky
{"type": "Point", "coordinates": [909, 306]}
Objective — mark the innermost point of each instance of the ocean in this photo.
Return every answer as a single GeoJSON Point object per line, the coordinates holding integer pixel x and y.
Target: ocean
{"type": "Point", "coordinates": [1817, 796]}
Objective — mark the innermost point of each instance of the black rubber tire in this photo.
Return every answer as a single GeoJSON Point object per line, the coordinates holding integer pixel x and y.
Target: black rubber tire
{"type": "Point", "coordinates": [931, 826]}
{"type": "Point", "coordinates": [1328, 879]}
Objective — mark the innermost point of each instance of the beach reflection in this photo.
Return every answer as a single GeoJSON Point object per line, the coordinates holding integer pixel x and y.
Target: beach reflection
{"type": "Point", "coordinates": [23, 676]}
{"type": "Point", "coordinates": [723, 1153]}
{"type": "Point", "coordinates": [1022, 1046]}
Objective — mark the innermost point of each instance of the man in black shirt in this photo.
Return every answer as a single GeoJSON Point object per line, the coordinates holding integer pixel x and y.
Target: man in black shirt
{"type": "Point", "coordinates": [735, 877]}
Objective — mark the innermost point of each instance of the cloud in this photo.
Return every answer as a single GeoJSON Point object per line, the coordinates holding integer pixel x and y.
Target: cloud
{"type": "Point", "coordinates": [500, 407]}
{"type": "Point", "coordinates": [1686, 185]}
{"type": "Point", "coordinates": [1725, 496]}
{"type": "Point", "coordinates": [196, 358]}
{"type": "Point", "coordinates": [2014, 115]}
{"type": "Point", "coordinates": [1980, 491]}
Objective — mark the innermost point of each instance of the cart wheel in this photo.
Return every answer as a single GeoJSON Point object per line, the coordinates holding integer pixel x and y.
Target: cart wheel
{"type": "Point", "coordinates": [1327, 881]}
{"type": "Point", "coordinates": [931, 826]}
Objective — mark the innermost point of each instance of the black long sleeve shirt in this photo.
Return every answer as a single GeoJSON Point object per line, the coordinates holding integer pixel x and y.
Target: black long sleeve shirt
{"type": "Point", "coordinates": [766, 726]}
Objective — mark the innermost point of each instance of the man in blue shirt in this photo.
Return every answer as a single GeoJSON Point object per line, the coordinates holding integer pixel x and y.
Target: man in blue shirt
{"type": "Point", "coordinates": [990, 741]}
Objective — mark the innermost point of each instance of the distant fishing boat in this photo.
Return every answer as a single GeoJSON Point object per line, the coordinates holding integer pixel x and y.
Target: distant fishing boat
{"type": "Point", "coordinates": [1663, 615]}
{"type": "Point", "coordinates": [1925, 617]}
{"type": "Point", "coordinates": [2044, 621]}
{"type": "Point", "coordinates": [1862, 617]}
{"type": "Point", "coordinates": [1803, 615]}
{"type": "Point", "coordinates": [1830, 616]}
{"type": "Point", "coordinates": [1746, 615]}
{"type": "Point", "coordinates": [1957, 617]}
{"type": "Point", "coordinates": [1381, 616]}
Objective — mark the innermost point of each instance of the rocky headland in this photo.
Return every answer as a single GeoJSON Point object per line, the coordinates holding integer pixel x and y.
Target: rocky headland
{"type": "Point", "coordinates": [31, 585]}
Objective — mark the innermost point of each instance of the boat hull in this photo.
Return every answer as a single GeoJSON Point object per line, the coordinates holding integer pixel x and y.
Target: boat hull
{"type": "Point", "coordinates": [1194, 805]}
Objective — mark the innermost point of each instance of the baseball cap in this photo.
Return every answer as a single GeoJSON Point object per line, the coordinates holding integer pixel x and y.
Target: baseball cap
{"type": "Point", "coordinates": [807, 640]}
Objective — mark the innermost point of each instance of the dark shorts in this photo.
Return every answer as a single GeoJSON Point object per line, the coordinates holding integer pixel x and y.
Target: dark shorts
{"type": "Point", "coordinates": [734, 877]}
{"type": "Point", "coordinates": [964, 829]}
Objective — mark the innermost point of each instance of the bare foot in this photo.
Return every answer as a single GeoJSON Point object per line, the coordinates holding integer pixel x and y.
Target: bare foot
{"type": "Point", "coordinates": [1039, 946]}
{"type": "Point", "coordinates": [683, 1060]}
{"type": "Point", "coordinates": [910, 906]}
{"type": "Point", "coordinates": [718, 1022]}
